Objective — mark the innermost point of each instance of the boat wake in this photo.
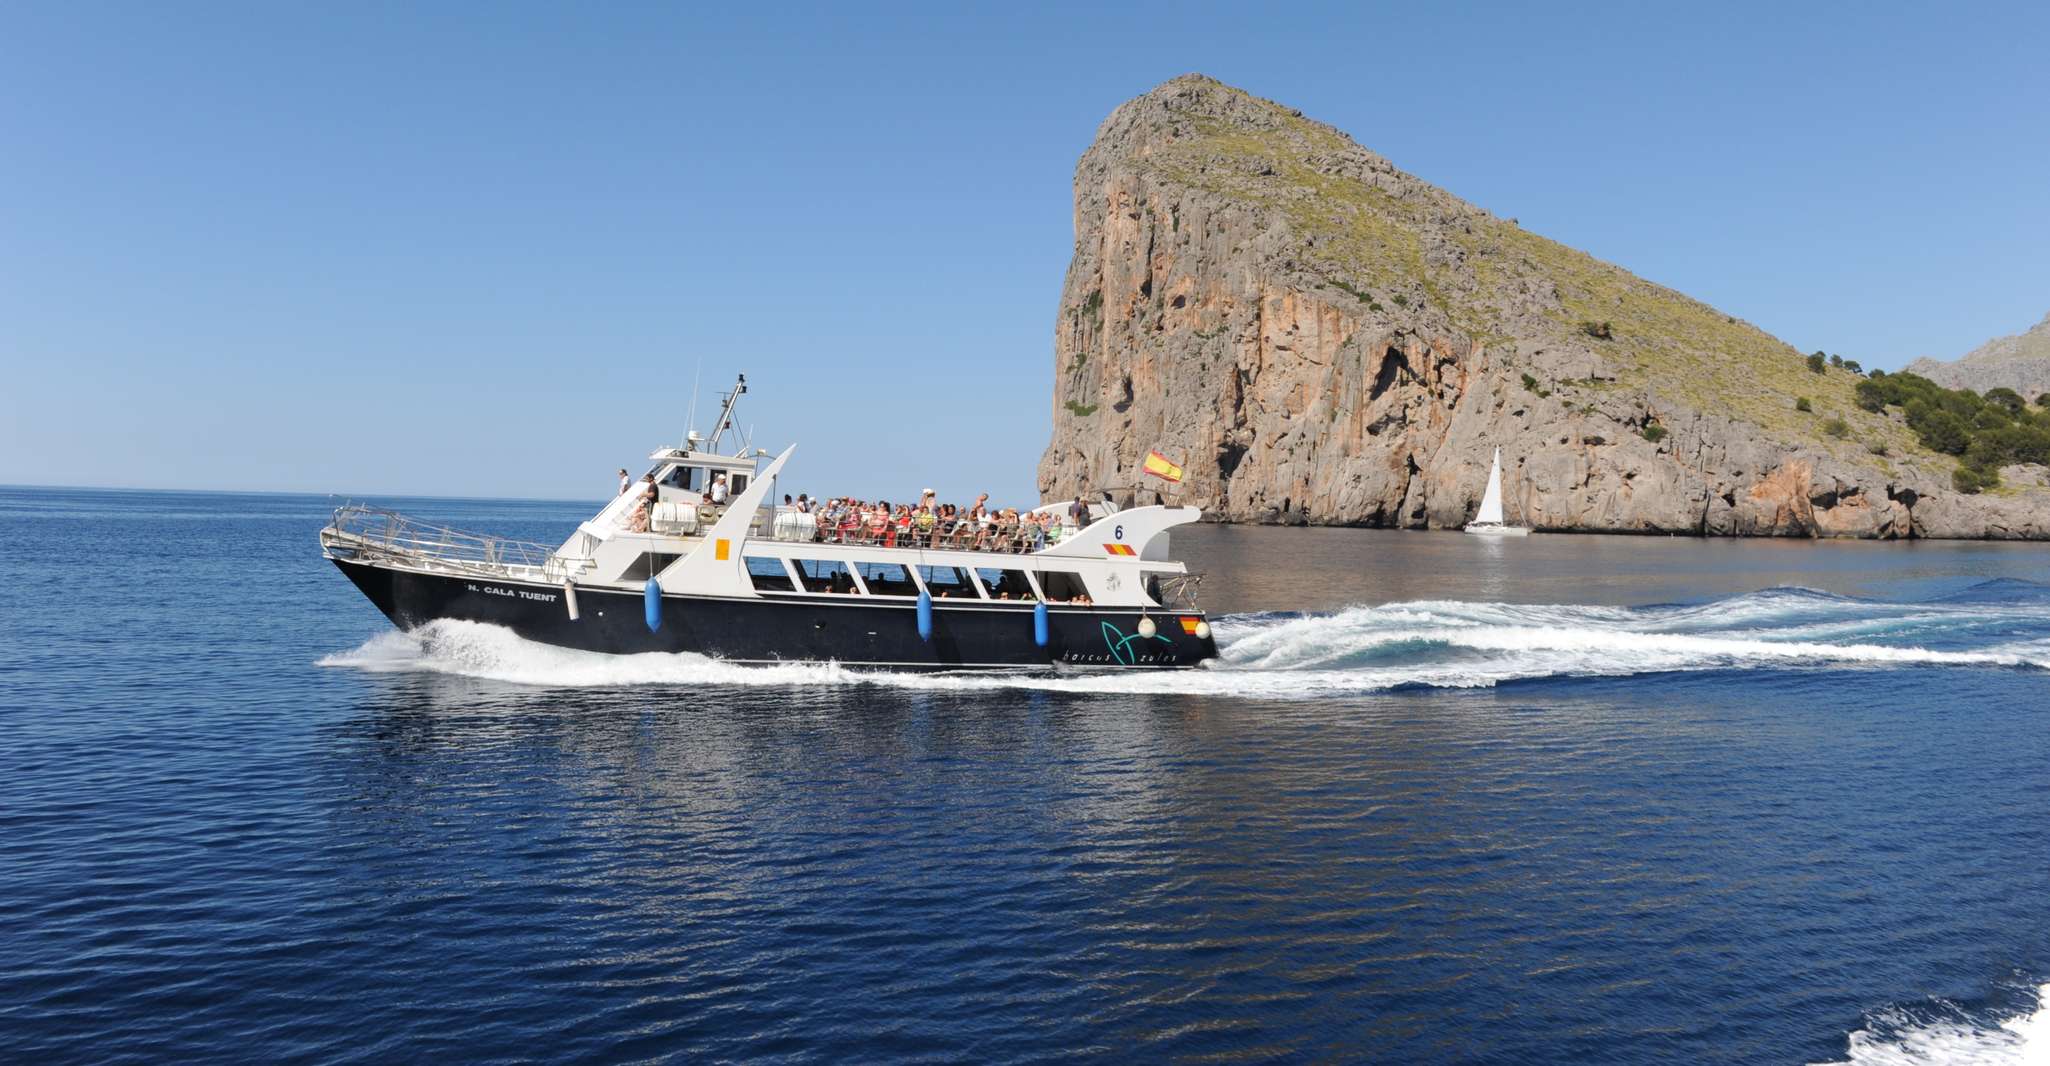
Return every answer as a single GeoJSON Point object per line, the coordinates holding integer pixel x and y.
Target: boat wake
{"type": "Point", "coordinates": [1943, 1032]}
{"type": "Point", "coordinates": [1418, 644]}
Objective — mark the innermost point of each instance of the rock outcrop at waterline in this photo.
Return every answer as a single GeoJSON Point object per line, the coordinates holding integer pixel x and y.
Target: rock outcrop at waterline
{"type": "Point", "coordinates": [1319, 337]}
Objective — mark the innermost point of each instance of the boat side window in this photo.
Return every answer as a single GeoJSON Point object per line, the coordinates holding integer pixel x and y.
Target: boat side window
{"type": "Point", "coordinates": [825, 575]}
{"type": "Point", "coordinates": [648, 565]}
{"type": "Point", "coordinates": [736, 484]}
{"type": "Point", "coordinates": [950, 582]}
{"type": "Point", "coordinates": [768, 575]}
{"type": "Point", "coordinates": [683, 477]}
{"type": "Point", "coordinates": [887, 579]}
{"type": "Point", "coordinates": [1062, 585]}
{"type": "Point", "coordinates": [1004, 584]}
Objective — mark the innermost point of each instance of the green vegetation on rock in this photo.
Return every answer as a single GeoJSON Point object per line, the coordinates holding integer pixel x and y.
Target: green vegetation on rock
{"type": "Point", "coordinates": [1984, 432]}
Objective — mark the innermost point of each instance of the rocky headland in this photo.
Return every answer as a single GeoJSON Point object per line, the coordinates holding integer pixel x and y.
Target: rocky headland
{"type": "Point", "coordinates": [1321, 338]}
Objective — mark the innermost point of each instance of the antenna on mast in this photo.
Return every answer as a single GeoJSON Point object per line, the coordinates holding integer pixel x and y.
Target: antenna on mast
{"type": "Point", "coordinates": [690, 414]}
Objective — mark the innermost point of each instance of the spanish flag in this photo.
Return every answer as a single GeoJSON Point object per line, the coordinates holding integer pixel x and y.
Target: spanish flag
{"type": "Point", "coordinates": [1159, 466]}
{"type": "Point", "coordinates": [1118, 549]}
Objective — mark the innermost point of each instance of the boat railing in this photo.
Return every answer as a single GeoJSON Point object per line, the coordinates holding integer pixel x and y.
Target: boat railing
{"type": "Point", "coordinates": [359, 531]}
{"type": "Point", "coordinates": [999, 537]}
{"type": "Point", "coordinates": [1177, 592]}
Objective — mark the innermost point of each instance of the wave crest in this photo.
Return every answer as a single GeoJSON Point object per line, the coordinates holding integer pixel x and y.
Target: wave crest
{"type": "Point", "coordinates": [1942, 1032]}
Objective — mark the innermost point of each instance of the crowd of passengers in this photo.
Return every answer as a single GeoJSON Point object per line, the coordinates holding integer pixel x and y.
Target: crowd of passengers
{"type": "Point", "coordinates": [931, 524]}
{"type": "Point", "coordinates": [927, 524]}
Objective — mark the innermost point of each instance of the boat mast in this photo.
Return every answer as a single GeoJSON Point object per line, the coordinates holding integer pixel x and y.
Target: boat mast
{"type": "Point", "coordinates": [725, 422]}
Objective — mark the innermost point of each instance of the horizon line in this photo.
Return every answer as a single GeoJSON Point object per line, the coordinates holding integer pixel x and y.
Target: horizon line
{"type": "Point", "coordinates": [282, 492]}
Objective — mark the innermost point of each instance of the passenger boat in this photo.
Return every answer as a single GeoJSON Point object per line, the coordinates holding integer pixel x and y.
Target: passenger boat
{"type": "Point", "coordinates": [751, 583]}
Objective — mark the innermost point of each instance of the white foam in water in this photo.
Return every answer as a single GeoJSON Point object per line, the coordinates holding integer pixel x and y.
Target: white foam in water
{"type": "Point", "coordinates": [1440, 644]}
{"type": "Point", "coordinates": [1893, 1039]}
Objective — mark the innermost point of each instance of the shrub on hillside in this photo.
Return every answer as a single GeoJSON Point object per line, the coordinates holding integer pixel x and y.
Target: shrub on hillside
{"type": "Point", "coordinates": [1801, 404]}
{"type": "Point", "coordinates": [1939, 429]}
{"type": "Point", "coordinates": [1654, 432]}
{"type": "Point", "coordinates": [2007, 398]}
{"type": "Point", "coordinates": [1818, 362]}
{"type": "Point", "coordinates": [1972, 480]}
{"type": "Point", "coordinates": [1837, 427]}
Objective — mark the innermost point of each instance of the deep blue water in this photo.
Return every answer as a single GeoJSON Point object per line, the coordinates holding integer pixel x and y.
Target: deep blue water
{"type": "Point", "coordinates": [1572, 800]}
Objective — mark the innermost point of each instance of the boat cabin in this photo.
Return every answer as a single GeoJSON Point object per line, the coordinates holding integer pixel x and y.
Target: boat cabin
{"type": "Point", "coordinates": [684, 476]}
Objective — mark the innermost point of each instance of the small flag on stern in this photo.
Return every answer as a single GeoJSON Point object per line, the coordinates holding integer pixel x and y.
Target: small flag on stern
{"type": "Point", "coordinates": [1159, 466]}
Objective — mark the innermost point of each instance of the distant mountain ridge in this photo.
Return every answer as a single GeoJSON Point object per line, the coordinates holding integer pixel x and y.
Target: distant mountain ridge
{"type": "Point", "coordinates": [1319, 337]}
{"type": "Point", "coordinates": [2020, 362]}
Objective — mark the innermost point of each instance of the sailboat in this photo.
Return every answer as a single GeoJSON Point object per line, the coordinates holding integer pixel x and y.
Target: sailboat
{"type": "Point", "coordinates": [1488, 520]}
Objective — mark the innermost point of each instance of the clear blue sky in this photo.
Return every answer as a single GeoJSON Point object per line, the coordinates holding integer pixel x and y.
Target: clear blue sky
{"type": "Point", "coordinates": [481, 249]}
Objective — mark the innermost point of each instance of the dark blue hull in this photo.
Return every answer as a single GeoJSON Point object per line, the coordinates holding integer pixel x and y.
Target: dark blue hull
{"type": "Point", "coordinates": [982, 635]}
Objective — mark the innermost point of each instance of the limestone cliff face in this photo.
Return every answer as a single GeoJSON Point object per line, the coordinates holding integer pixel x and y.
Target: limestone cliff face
{"type": "Point", "coordinates": [1319, 337]}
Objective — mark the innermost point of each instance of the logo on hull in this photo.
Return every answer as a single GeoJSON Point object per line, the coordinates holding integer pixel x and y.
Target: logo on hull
{"type": "Point", "coordinates": [1120, 644]}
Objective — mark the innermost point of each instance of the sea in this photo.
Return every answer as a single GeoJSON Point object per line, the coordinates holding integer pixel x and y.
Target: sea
{"type": "Point", "coordinates": [1575, 799]}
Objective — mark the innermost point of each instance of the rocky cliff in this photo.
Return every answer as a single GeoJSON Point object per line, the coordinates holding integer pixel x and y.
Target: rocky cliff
{"type": "Point", "coordinates": [2020, 362]}
{"type": "Point", "coordinates": [1319, 337]}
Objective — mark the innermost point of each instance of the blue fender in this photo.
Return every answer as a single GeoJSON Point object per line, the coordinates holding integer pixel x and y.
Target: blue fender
{"type": "Point", "coordinates": [653, 598]}
{"type": "Point", "coordinates": [924, 615]}
{"type": "Point", "coordinates": [1040, 635]}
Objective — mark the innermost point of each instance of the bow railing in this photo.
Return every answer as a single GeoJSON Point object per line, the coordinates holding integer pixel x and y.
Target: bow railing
{"type": "Point", "coordinates": [372, 533]}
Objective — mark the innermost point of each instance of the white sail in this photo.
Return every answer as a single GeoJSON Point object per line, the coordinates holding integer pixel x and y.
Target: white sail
{"type": "Point", "coordinates": [1491, 503]}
